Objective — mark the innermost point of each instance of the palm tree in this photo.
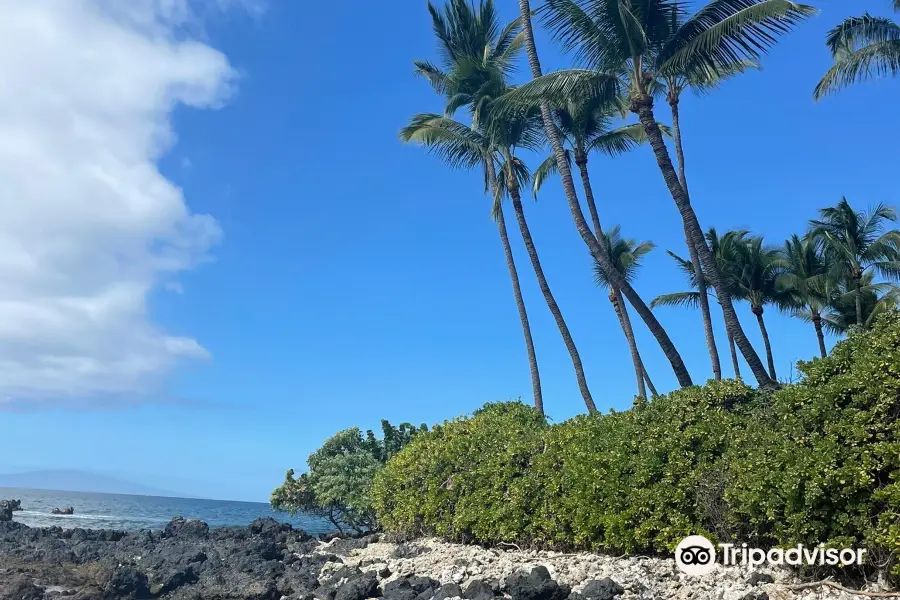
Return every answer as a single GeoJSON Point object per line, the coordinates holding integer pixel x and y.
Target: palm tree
{"type": "Point", "coordinates": [508, 133]}
{"type": "Point", "coordinates": [627, 256]}
{"type": "Point", "coordinates": [724, 248]}
{"type": "Point", "coordinates": [807, 283]}
{"type": "Point", "coordinates": [877, 298]}
{"type": "Point", "coordinates": [462, 147]}
{"type": "Point", "coordinates": [462, 38]}
{"type": "Point", "coordinates": [857, 243]}
{"type": "Point", "coordinates": [610, 88]}
{"type": "Point", "coordinates": [479, 56]}
{"type": "Point", "coordinates": [636, 39]}
{"type": "Point", "coordinates": [753, 278]}
{"type": "Point", "coordinates": [862, 48]}
{"type": "Point", "coordinates": [674, 84]}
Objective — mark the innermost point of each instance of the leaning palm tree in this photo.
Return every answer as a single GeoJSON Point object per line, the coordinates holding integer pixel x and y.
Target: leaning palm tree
{"type": "Point", "coordinates": [627, 255]}
{"type": "Point", "coordinates": [753, 278]}
{"type": "Point", "coordinates": [807, 283]}
{"type": "Point", "coordinates": [479, 58]}
{"type": "Point", "coordinates": [674, 84]}
{"type": "Point", "coordinates": [508, 133]}
{"type": "Point", "coordinates": [635, 38]}
{"type": "Point", "coordinates": [862, 48]}
{"type": "Point", "coordinates": [462, 147]}
{"type": "Point", "coordinates": [608, 87]}
{"type": "Point", "coordinates": [858, 243]}
{"type": "Point", "coordinates": [472, 42]}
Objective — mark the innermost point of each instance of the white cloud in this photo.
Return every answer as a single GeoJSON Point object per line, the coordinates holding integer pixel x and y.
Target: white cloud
{"type": "Point", "coordinates": [88, 225]}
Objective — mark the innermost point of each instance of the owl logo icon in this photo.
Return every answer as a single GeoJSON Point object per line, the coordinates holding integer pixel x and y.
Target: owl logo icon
{"type": "Point", "coordinates": [695, 555]}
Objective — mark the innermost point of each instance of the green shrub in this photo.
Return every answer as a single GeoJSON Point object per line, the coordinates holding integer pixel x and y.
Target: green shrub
{"type": "Point", "coordinates": [821, 463]}
{"type": "Point", "coordinates": [637, 481]}
{"type": "Point", "coordinates": [814, 462]}
{"type": "Point", "coordinates": [339, 481]}
{"type": "Point", "coordinates": [470, 479]}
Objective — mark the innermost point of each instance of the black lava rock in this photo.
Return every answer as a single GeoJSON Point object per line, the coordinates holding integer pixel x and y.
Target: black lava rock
{"type": "Point", "coordinates": [448, 590]}
{"type": "Point", "coordinates": [6, 510]}
{"type": "Point", "coordinates": [757, 578]}
{"type": "Point", "coordinates": [410, 588]}
{"type": "Point", "coordinates": [346, 545]}
{"type": "Point", "coordinates": [602, 589]}
{"type": "Point", "coordinates": [479, 590]}
{"type": "Point", "coordinates": [21, 588]}
{"type": "Point", "coordinates": [180, 526]}
{"type": "Point", "coordinates": [127, 582]}
{"type": "Point", "coordinates": [358, 589]}
{"type": "Point", "coordinates": [536, 585]}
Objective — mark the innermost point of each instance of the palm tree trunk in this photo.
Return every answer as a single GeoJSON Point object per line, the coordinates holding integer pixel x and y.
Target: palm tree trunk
{"type": "Point", "coordinates": [758, 311]}
{"type": "Point", "coordinates": [735, 364]}
{"type": "Point", "coordinates": [616, 300]}
{"type": "Point", "coordinates": [630, 333]}
{"type": "Point", "coordinates": [517, 293]}
{"type": "Point", "coordinates": [581, 161]}
{"type": "Point", "coordinates": [513, 188]}
{"type": "Point", "coordinates": [650, 385]}
{"type": "Point", "coordinates": [597, 251]}
{"type": "Point", "coordinates": [817, 323]}
{"type": "Point", "coordinates": [643, 107]}
{"type": "Point", "coordinates": [692, 249]}
{"type": "Point", "coordinates": [859, 309]}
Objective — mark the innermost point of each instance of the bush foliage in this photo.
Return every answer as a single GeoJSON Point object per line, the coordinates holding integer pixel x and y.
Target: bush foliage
{"type": "Point", "coordinates": [814, 462]}
{"type": "Point", "coordinates": [338, 483]}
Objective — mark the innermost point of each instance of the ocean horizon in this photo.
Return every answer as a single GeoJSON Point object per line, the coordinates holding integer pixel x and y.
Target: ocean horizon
{"type": "Point", "coordinates": [95, 510]}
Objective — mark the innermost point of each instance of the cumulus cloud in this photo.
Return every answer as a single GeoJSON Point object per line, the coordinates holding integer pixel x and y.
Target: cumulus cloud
{"type": "Point", "coordinates": [88, 225]}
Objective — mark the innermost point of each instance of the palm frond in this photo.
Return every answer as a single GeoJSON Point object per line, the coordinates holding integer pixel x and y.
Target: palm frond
{"type": "Point", "coordinates": [618, 141]}
{"type": "Point", "coordinates": [725, 33]}
{"type": "Point", "coordinates": [682, 299]}
{"type": "Point", "coordinates": [592, 32]}
{"type": "Point", "coordinates": [705, 80]}
{"type": "Point", "coordinates": [877, 60]}
{"type": "Point", "coordinates": [625, 254]}
{"type": "Point", "coordinates": [559, 88]}
{"type": "Point", "coordinates": [433, 74]}
{"type": "Point", "coordinates": [545, 170]}
{"type": "Point", "coordinates": [857, 32]}
{"type": "Point", "coordinates": [455, 143]}
{"type": "Point", "coordinates": [507, 37]}
{"type": "Point", "coordinates": [686, 267]}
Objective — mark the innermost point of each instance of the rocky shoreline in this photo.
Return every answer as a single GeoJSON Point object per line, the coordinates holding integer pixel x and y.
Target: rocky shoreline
{"type": "Point", "coordinates": [272, 561]}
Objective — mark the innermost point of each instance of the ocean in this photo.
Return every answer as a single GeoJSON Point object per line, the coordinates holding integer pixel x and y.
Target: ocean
{"type": "Point", "coordinates": [125, 512]}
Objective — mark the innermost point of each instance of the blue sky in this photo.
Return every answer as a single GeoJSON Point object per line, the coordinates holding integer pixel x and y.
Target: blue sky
{"type": "Point", "coordinates": [358, 279]}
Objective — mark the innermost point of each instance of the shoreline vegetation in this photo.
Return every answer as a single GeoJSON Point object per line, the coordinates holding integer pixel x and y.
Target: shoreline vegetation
{"type": "Point", "coordinates": [814, 462]}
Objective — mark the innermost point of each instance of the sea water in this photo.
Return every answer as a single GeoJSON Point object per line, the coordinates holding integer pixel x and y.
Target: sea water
{"type": "Point", "coordinates": [126, 512]}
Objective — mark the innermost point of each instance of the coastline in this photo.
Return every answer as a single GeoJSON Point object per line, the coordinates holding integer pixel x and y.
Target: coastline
{"type": "Point", "coordinates": [271, 561]}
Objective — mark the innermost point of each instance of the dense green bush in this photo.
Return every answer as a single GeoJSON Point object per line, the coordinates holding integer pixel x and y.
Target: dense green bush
{"type": "Point", "coordinates": [339, 481]}
{"type": "Point", "coordinates": [821, 462]}
{"type": "Point", "coordinates": [815, 462]}
{"type": "Point", "coordinates": [468, 479]}
{"type": "Point", "coordinates": [635, 481]}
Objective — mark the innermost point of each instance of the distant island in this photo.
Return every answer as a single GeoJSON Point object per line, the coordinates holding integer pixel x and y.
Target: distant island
{"type": "Point", "coordinates": [72, 480]}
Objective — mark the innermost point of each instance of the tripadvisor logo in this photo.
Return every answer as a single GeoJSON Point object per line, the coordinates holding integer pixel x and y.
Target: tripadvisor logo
{"type": "Point", "coordinates": [695, 555]}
